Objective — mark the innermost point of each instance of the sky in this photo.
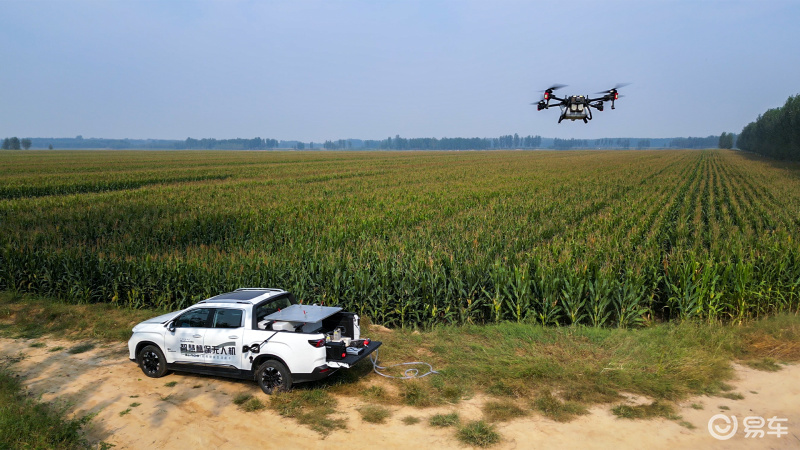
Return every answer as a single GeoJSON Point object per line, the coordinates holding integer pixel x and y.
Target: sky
{"type": "Point", "coordinates": [370, 69]}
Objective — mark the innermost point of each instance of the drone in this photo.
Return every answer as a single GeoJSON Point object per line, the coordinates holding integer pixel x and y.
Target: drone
{"type": "Point", "coordinates": [578, 107]}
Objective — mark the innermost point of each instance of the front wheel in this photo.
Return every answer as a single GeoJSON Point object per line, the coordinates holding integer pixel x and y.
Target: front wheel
{"type": "Point", "coordinates": [272, 376]}
{"type": "Point", "coordinates": [151, 360]}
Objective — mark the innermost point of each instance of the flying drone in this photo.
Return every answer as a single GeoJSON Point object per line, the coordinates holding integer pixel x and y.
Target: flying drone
{"type": "Point", "coordinates": [577, 107]}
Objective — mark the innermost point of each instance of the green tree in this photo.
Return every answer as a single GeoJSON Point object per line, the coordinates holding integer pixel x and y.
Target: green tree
{"type": "Point", "coordinates": [14, 143]}
{"type": "Point", "coordinates": [6, 144]}
{"type": "Point", "coordinates": [26, 143]}
{"type": "Point", "coordinates": [726, 140]}
{"type": "Point", "coordinates": [50, 146]}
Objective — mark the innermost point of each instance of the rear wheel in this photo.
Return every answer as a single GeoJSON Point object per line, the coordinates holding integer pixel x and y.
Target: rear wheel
{"type": "Point", "coordinates": [152, 361]}
{"type": "Point", "coordinates": [272, 376]}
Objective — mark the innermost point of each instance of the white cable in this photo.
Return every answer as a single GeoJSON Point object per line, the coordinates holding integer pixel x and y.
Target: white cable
{"type": "Point", "coordinates": [408, 373]}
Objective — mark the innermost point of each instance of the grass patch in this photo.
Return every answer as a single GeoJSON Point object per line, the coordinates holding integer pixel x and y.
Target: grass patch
{"type": "Point", "coordinates": [312, 407]}
{"type": "Point", "coordinates": [765, 364]}
{"type": "Point", "coordinates": [444, 420]}
{"type": "Point", "coordinates": [556, 409]}
{"type": "Point", "coordinates": [247, 402]}
{"type": "Point", "coordinates": [30, 316]}
{"type": "Point", "coordinates": [38, 345]}
{"type": "Point", "coordinates": [697, 406]}
{"type": "Point", "coordinates": [26, 423]}
{"type": "Point", "coordinates": [81, 348]}
{"type": "Point", "coordinates": [122, 413]}
{"type": "Point", "coordinates": [135, 404]}
{"type": "Point", "coordinates": [655, 409]}
{"type": "Point", "coordinates": [254, 404]}
{"type": "Point", "coordinates": [410, 420]}
{"type": "Point", "coordinates": [56, 349]}
{"type": "Point", "coordinates": [170, 383]}
{"type": "Point", "coordinates": [723, 407]}
{"type": "Point", "coordinates": [502, 411]}
{"type": "Point", "coordinates": [479, 434]}
{"type": "Point", "coordinates": [731, 395]}
{"type": "Point", "coordinates": [419, 393]}
{"type": "Point", "coordinates": [377, 393]}
{"type": "Point", "coordinates": [686, 424]}
{"type": "Point", "coordinates": [374, 414]}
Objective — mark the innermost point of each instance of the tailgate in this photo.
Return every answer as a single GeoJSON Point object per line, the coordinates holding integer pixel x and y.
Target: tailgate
{"type": "Point", "coordinates": [350, 359]}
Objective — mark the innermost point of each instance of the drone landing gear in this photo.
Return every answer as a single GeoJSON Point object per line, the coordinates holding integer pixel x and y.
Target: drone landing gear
{"type": "Point", "coordinates": [585, 120]}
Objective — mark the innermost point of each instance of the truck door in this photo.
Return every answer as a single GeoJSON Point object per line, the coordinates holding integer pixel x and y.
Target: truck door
{"type": "Point", "coordinates": [185, 343]}
{"type": "Point", "coordinates": [223, 340]}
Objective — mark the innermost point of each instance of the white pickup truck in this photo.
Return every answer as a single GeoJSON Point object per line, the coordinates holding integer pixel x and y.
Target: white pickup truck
{"type": "Point", "coordinates": [251, 333]}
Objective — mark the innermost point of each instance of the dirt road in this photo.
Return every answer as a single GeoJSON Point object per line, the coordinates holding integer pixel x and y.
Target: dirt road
{"type": "Point", "coordinates": [198, 411]}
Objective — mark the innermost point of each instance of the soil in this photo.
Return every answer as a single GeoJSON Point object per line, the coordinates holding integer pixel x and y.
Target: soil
{"type": "Point", "coordinates": [198, 411]}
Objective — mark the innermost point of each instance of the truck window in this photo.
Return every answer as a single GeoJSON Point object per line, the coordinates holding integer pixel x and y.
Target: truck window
{"type": "Point", "coordinates": [227, 318]}
{"type": "Point", "coordinates": [196, 318]}
{"type": "Point", "coordinates": [270, 307]}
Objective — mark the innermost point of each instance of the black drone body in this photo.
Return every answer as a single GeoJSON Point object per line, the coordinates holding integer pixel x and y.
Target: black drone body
{"type": "Point", "coordinates": [577, 107]}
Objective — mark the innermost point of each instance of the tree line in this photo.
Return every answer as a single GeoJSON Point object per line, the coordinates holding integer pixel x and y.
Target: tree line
{"type": "Point", "coordinates": [776, 133]}
{"type": "Point", "coordinates": [15, 143]}
{"type": "Point", "coordinates": [508, 141]}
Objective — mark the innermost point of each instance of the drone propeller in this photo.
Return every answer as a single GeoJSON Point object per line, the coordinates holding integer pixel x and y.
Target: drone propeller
{"type": "Point", "coordinates": [554, 87]}
{"type": "Point", "coordinates": [614, 89]}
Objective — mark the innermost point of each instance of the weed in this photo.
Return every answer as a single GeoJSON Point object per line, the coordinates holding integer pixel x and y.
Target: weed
{"type": "Point", "coordinates": [554, 408]}
{"type": "Point", "coordinates": [122, 413]}
{"type": "Point", "coordinates": [241, 398]}
{"type": "Point", "coordinates": [310, 407]}
{"type": "Point", "coordinates": [374, 414]}
{"type": "Point", "coordinates": [418, 393]}
{"type": "Point", "coordinates": [55, 349]}
{"type": "Point", "coordinates": [495, 411]}
{"type": "Point", "coordinates": [38, 345]}
{"type": "Point", "coordinates": [655, 409]}
{"type": "Point", "coordinates": [170, 383]}
{"type": "Point", "coordinates": [375, 393]}
{"type": "Point", "coordinates": [410, 420]}
{"type": "Point", "coordinates": [723, 407]}
{"type": "Point", "coordinates": [135, 404]}
{"type": "Point", "coordinates": [252, 404]}
{"type": "Point", "coordinates": [697, 406]}
{"type": "Point", "coordinates": [479, 434]}
{"type": "Point", "coordinates": [444, 420]}
{"type": "Point", "coordinates": [732, 395]}
{"type": "Point", "coordinates": [765, 364]}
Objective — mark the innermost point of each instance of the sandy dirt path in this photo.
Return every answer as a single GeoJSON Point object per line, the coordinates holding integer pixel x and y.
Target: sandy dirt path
{"type": "Point", "coordinates": [198, 411]}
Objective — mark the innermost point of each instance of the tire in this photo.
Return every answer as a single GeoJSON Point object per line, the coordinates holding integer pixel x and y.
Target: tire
{"type": "Point", "coordinates": [152, 362]}
{"type": "Point", "coordinates": [272, 376]}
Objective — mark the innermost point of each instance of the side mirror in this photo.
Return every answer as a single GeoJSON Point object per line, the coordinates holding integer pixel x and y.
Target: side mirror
{"type": "Point", "coordinates": [255, 348]}
{"type": "Point", "coordinates": [171, 326]}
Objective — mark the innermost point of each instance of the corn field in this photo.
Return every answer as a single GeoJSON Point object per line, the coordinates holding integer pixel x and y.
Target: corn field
{"type": "Point", "coordinates": [412, 239]}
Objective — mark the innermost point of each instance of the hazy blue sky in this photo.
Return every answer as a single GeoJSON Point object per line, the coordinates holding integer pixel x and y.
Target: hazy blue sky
{"type": "Point", "coordinates": [316, 70]}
